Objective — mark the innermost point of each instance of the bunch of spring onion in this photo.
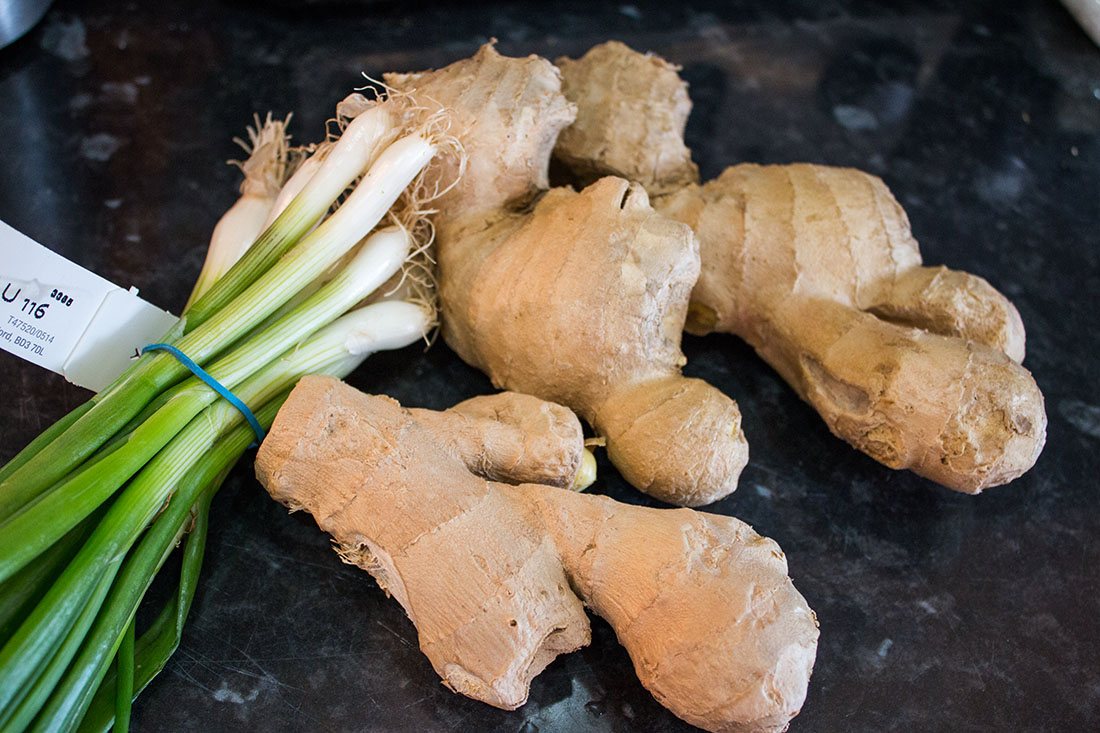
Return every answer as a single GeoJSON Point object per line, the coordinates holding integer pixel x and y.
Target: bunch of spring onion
{"type": "Point", "coordinates": [92, 508]}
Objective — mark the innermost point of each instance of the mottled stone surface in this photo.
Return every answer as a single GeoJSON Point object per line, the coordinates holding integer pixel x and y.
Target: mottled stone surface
{"type": "Point", "coordinates": [938, 611]}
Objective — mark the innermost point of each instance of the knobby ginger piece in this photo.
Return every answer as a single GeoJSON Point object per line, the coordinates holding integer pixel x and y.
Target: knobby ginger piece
{"type": "Point", "coordinates": [578, 298]}
{"type": "Point", "coordinates": [715, 628]}
{"type": "Point", "coordinates": [618, 277]}
{"type": "Point", "coordinates": [510, 437]}
{"type": "Point", "coordinates": [467, 559]}
{"type": "Point", "coordinates": [915, 366]}
{"type": "Point", "coordinates": [494, 575]}
{"type": "Point", "coordinates": [621, 132]}
{"type": "Point", "coordinates": [817, 269]}
{"type": "Point", "coordinates": [507, 112]}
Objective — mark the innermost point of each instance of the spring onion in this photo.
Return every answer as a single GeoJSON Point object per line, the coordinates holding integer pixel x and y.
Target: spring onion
{"type": "Point", "coordinates": [90, 511]}
{"type": "Point", "coordinates": [265, 171]}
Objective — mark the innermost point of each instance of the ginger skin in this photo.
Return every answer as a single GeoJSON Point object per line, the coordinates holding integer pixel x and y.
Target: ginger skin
{"type": "Point", "coordinates": [817, 269]}
{"type": "Point", "coordinates": [578, 298]}
{"type": "Point", "coordinates": [495, 575]}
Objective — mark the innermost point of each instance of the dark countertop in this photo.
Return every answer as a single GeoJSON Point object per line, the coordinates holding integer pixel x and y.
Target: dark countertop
{"type": "Point", "coordinates": [938, 611]}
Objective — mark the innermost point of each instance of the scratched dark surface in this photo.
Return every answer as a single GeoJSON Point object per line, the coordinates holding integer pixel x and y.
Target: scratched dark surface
{"type": "Point", "coordinates": [938, 611]}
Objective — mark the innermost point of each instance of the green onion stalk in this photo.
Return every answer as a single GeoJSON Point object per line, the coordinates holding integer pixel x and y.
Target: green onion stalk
{"type": "Point", "coordinates": [91, 509]}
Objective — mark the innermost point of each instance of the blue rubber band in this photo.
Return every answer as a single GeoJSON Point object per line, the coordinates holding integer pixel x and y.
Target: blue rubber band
{"type": "Point", "coordinates": [214, 385]}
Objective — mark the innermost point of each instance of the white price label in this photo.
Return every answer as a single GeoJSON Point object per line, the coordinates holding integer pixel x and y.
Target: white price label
{"type": "Point", "coordinates": [60, 316]}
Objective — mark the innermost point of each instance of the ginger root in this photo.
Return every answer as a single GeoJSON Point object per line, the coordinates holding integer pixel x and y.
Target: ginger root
{"type": "Point", "coordinates": [494, 575]}
{"type": "Point", "coordinates": [817, 269]}
{"type": "Point", "coordinates": [579, 298]}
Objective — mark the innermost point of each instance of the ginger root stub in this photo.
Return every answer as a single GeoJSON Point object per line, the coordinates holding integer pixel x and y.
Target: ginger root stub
{"type": "Point", "coordinates": [817, 269]}
{"type": "Point", "coordinates": [579, 298]}
{"type": "Point", "coordinates": [496, 575]}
